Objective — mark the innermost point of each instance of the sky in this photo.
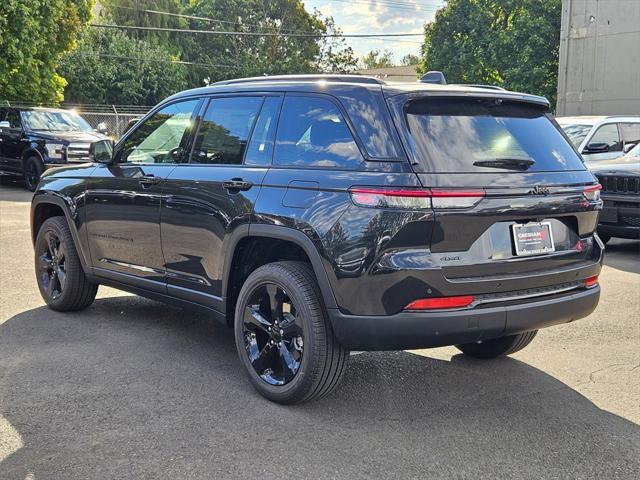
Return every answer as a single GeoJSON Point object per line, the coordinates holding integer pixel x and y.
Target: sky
{"type": "Point", "coordinates": [379, 16]}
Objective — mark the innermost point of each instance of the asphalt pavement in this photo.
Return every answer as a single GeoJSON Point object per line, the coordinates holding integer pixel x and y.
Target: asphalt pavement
{"type": "Point", "coordinates": [131, 388]}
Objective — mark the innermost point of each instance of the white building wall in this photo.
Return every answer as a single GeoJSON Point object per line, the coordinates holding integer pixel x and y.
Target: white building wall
{"type": "Point", "coordinates": [599, 69]}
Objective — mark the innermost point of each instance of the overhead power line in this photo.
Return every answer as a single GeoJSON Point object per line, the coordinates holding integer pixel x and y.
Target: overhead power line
{"type": "Point", "coordinates": [152, 60]}
{"type": "Point", "coordinates": [258, 34]}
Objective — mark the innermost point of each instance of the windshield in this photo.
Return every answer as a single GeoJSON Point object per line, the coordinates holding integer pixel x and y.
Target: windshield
{"type": "Point", "coordinates": [60, 121]}
{"type": "Point", "coordinates": [634, 152]}
{"type": "Point", "coordinates": [480, 135]}
{"type": "Point", "coordinates": [576, 133]}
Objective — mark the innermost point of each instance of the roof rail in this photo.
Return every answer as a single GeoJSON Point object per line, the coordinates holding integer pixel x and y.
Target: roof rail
{"type": "Point", "coordinates": [478, 85]}
{"type": "Point", "coordinates": [305, 78]}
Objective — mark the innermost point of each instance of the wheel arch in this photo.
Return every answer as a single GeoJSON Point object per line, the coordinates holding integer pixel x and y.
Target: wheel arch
{"type": "Point", "coordinates": [47, 205]}
{"type": "Point", "coordinates": [31, 151]}
{"type": "Point", "coordinates": [298, 244]}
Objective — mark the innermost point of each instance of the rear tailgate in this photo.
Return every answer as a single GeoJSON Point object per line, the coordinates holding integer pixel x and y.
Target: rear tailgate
{"type": "Point", "coordinates": [517, 178]}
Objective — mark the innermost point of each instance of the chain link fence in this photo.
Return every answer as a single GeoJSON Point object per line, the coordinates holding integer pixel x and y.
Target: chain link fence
{"type": "Point", "coordinates": [114, 118]}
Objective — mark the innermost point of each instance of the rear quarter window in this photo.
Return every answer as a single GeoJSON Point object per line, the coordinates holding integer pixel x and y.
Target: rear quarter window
{"type": "Point", "coordinates": [313, 133]}
{"type": "Point", "coordinates": [485, 135]}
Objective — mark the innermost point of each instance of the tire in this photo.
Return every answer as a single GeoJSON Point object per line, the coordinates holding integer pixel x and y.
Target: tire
{"type": "Point", "coordinates": [498, 347]}
{"type": "Point", "coordinates": [604, 237]}
{"type": "Point", "coordinates": [61, 279]}
{"type": "Point", "coordinates": [33, 169]}
{"type": "Point", "coordinates": [316, 360]}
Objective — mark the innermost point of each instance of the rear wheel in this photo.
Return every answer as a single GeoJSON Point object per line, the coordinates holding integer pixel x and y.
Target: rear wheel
{"type": "Point", "coordinates": [283, 336]}
{"type": "Point", "coordinates": [498, 347]}
{"type": "Point", "coordinates": [61, 280]}
{"type": "Point", "coordinates": [32, 171]}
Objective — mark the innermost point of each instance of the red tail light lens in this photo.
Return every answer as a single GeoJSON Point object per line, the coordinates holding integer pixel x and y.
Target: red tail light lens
{"type": "Point", "coordinates": [591, 281]}
{"type": "Point", "coordinates": [391, 198]}
{"type": "Point", "coordinates": [440, 302]}
{"type": "Point", "coordinates": [414, 198]}
{"type": "Point", "coordinates": [592, 192]}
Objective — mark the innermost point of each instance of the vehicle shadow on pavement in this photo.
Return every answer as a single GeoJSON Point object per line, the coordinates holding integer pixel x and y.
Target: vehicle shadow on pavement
{"type": "Point", "coordinates": [623, 255]}
{"type": "Point", "coordinates": [14, 191]}
{"type": "Point", "coordinates": [131, 388]}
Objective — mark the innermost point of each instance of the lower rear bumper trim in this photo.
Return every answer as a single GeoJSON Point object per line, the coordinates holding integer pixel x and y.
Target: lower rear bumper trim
{"type": "Point", "coordinates": [410, 330]}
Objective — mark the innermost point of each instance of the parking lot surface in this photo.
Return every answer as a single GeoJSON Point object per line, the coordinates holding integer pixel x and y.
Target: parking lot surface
{"type": "Point", "coordinates": [131, 388]}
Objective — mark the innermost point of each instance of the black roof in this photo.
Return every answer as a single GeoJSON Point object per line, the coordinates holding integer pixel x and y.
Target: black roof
{"type": "Point", "coordinates": [339, 84]}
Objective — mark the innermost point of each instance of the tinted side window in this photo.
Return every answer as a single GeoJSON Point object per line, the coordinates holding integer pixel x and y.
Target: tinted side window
{"type": "Point", "coordinates": [224, 130]}
{"type": "Point", "coordinates": [608, 134]}
{"type": "Point", "coordinates": [261, 143]}
{"type": "Point", "coordinates": [13, 117]}
{"type": "Point", "coordinates": [159, 139]}
{"type": "Point", "coordinates": [630, 132]}
{"type": "Point", "coordinates": [313, 132]}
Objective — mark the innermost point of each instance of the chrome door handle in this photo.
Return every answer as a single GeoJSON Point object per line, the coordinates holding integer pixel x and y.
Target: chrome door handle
{"type": "Point", "coordinates": [149, 180]}
{"type": "Point", "coordinates": [237, 184]}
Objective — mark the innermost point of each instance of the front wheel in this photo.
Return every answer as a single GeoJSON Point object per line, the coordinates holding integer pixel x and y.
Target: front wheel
{"type": "Point", "coordinates": [604, 237]}
{"type": "Point", "coordinates": [61, 280]}
{"type": "Point", "coordinates": [32, 171]}
{"type": "Point", "coordinates": [283, 336]}
{"type": "Point", "coordinates": [498, 347]}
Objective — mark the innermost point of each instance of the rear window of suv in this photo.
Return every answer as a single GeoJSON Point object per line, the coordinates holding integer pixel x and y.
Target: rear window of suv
{"type": "Point", "coordinates": [485, 135]}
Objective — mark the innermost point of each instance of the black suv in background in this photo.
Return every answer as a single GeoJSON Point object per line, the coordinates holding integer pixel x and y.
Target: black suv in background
{"type": "Point", "coordinates": [33, 139]}
{"type": "Point", "coordinates": [317, 214]}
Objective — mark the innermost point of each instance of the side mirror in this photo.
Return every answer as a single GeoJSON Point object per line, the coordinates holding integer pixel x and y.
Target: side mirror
{"type": "Point", "coordinates": [102, 128]}
{"type": "Point", "coordinates": [628, 147]}
{"type": "Point", "coordinates": [5, 124]}
{"type": "Point", "coordinates": [597, 147]}
{"type": "Point", "coordinates": [101, 151]}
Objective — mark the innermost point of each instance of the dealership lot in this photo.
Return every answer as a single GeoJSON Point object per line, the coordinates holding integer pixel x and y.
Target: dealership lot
{"type": "Point", "coordinates": [132, 388]}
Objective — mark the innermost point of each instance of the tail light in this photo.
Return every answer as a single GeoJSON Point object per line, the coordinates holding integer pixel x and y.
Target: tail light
{"type": "Point", "coordinates": [415, 198]}
{"type": "Point", "coordinates": [592, 192]}
{"type": "Point", "coordinates": [591, 281]}
{"type": "Point", "coordinates": [440, 302]}
{"type": "Point", "coordinates": [456, 198]}
{"type": "Point", "coordinates": [391, 198]}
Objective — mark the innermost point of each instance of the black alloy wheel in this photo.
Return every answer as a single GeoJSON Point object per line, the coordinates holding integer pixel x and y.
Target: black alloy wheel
{"type": "Point", "coordinates": [273, 334]}
{"type": "Point", "coordinates": [52, 270]}
{"type": "Point", "coordinates": [32, 172]}
{"type": "Point", "coordinates": [283, 335]}
{"type": "Point", "coordinates": [61, 279]}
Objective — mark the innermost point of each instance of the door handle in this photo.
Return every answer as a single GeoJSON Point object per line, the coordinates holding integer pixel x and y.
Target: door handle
{"type": "Point", "coordinates": [149, 180]}
{"type": "Point", "coordinates": [236, 184]}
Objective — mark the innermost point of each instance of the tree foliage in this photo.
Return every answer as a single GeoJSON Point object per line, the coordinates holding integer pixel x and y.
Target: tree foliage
{"type": "Point", "coordinates": [377, 59]}
{"type": "Point", "coordinates": [510, 43]}
{"type": "Point", "coordinates": [35, 35]}
{"type": "Point", "coordinates": [410, 59]}
{"type": "Point", "coordinates": [109, 67]}
{"type": "Point", "coordinates": [232, 56]}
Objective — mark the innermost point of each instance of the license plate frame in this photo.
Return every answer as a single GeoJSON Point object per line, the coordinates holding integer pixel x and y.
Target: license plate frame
{"type": "Point", "coordinates": [529, 239]}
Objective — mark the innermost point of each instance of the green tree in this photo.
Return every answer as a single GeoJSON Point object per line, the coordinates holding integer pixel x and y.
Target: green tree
{"type": "Point", "coordinates": [110, 67]}
{"type": "Point", "coordinates": [34, 36]}
{"type": "Point", "coordinates": [510, 43]}
{"type": "Point", "coordinates": [377, 59]}
{"type": "Point", "coordinates": [410, 59]}
{"type": "Point", "coordinates": [232, 56]}
{"type": "Point", "coordinates": [140, 13]}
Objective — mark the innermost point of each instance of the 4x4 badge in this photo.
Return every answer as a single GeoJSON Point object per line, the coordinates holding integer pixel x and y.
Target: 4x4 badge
{"type": "Point", "coordinates": [538, 190]}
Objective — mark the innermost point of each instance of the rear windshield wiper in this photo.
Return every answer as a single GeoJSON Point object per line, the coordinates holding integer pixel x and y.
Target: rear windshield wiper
{"type": "Point", "coordinates": [506, 163]}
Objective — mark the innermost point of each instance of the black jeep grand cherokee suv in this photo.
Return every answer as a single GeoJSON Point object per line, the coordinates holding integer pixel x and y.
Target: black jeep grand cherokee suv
{"type": "Point", "coordinates": [320, 214]}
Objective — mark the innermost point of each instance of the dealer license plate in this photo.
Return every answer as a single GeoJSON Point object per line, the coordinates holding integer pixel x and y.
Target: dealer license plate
{"type": "Point", "coordinates": [533, 238]}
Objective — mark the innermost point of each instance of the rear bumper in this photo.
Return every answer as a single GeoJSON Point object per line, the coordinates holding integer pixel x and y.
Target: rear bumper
{"type": "Point", "coordinates": [409, 330]}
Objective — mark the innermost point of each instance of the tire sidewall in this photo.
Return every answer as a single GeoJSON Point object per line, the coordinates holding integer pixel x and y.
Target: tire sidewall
{"type": "Point", "coordinates": [54, 225]}
{"type": "Point", "coordinates": [304, 376]}
{"type": "Point", "coordinates": [39, 167]}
